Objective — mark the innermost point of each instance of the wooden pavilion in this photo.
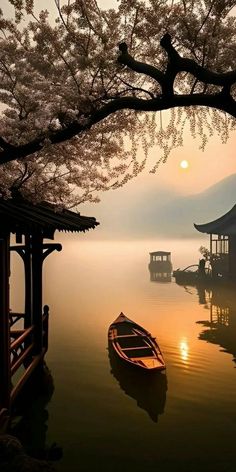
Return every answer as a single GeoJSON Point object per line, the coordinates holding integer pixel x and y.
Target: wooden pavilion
{"type": "Point", "coordinates": [22, 350]}
{"type": "Point", "coordinates": [222, 233]}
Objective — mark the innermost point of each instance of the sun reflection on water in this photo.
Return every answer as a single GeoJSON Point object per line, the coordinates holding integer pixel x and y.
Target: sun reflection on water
{"type": "Point", "coordinates": [184, 350]}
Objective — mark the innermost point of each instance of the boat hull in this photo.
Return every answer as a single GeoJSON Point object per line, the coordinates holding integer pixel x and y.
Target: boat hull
{"type": "Point", "coordinates": [134, 345]}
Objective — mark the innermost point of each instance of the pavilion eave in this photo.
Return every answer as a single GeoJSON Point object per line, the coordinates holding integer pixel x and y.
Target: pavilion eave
{"type": "Point", "coordinates": [22, 217]}
{"type": "Point", "coordinates": [225, 225]}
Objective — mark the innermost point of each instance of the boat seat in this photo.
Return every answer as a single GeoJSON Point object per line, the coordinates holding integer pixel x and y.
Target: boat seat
{"type": "Point", "coordinates": [139, 353]}
{"type": "Point", "coordinates": [126, 335]}
{"type": "Point", "coordinates": [132, 341]}
{"type": "Point", "coordinates": [138, 347]}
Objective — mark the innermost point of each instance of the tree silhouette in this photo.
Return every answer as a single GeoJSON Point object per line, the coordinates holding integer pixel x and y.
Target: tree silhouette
{"type": "Point", "coordinates": [71, 103]}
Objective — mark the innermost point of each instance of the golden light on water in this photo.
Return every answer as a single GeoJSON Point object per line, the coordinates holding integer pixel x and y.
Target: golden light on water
{"type": "Point", "coordinates": [184, 350]}
{"type": "Point", "coordinates": [184, 164]}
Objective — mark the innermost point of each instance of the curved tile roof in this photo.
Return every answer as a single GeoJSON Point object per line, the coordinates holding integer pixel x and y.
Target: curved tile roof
{"type": "Point", "coordinates": [20, 216]}
{"type": "Point", "coordinates": [225, 225]}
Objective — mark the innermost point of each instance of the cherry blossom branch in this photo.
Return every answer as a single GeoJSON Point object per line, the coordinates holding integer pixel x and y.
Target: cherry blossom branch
{"type": "Point", "coordinates": [205, 19]}
{"type": "Point", "coordinates": [132, 103]}
{"type": "Point", "coordinates": [222, 100]}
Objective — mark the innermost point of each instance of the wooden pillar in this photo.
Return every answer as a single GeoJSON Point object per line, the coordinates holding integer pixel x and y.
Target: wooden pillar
{"type": "Point", "coordinates": [28, 282]}
{"type": "Point", "coordinates": [39, 252]}
{"type": "Point", "coordinates": [5, 374]}
{"type": "Point", "coordinates": [232, 257]}
{"type": "Point", "coordinates": [37, 315]}
{"type": "Point", "coordinates": [25, 254]}
{"type": "Point", "coordinates": [45, 326]}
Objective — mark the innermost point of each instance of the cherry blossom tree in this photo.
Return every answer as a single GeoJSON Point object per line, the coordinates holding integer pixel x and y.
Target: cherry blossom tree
{"type": "Point", "coordinates": [81, 93]}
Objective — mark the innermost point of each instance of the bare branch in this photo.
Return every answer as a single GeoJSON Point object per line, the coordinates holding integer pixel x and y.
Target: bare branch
{"type": "Point", "coordinates": [138, 89]}
{"type": "Point", "coordinates": [203, 74]}
{"type": "Point", "coordinates": [126, 59]}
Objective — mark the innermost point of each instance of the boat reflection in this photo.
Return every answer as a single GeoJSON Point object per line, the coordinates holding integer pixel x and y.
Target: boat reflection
{"type": "Point", "coordinates": [148, 389]}
{"type": "Point", "coordinates": [157, 276]}
{"type": "Point", "coordinates": [160, 266]}
{"type": "Point", "coordinates": [220, 328]}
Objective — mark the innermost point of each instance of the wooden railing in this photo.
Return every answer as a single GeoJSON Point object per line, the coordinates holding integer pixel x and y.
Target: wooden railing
{"type": "Point", "coordinates": [22, 350]}
{"type": "Point", "coordinates": [14, 317]}
{"type": "Point", "coordinates": [18, 344]}
{"type": "Point", "coordinates": [35, 361]}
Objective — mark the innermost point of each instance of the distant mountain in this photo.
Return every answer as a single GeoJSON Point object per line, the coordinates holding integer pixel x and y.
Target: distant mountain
{"type": "Point", "coordinates": [176, 217]}
{"type": "Point", "coordinates": [162, 212]}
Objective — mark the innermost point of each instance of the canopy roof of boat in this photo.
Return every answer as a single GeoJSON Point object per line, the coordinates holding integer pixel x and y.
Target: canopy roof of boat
{"type": "Point", "coordinates": [159, 253]}
{"type": "Point", "coordinates": [225, 225]}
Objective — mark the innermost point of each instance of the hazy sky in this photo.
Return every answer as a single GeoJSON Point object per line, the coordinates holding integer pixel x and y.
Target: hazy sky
{"type": "Point", "coordinates": [205, 168]}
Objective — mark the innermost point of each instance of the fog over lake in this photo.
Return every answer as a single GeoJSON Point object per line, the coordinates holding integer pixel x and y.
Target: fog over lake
{"type": "Point", "coordinates": [183, 420]}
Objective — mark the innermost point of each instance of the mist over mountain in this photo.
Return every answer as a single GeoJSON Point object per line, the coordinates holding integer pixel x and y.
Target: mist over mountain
{"type": "Point", "coordinates": [162, 212]}
{"type": "Point", "coordinates": [176, 217]}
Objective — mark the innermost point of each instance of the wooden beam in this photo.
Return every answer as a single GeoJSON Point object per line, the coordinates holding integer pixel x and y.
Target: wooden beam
{"type": "Point", "coordinates": [28, 282]}
{"type": "Point", "coordinates": [50, 247]}
{"type": "Point", "coordinates": [5, 373]}
{"type": "Point", "coordinates": [37, 286]}
{"type": "Point", "coordinates": [23, 356]}
{"type": "Point", "coordinates": [21, 338]}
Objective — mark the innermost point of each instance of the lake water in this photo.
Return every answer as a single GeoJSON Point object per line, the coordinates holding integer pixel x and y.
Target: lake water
{"type": "Point", "coordinates": [105, 417]}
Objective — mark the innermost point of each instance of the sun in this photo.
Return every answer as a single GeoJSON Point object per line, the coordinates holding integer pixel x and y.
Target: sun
{"type": "Point", "coordinates": [184, 164]}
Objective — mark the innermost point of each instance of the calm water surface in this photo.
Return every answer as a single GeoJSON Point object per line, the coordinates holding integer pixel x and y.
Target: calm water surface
{"type": "Point", "coordinates": [105, 417]}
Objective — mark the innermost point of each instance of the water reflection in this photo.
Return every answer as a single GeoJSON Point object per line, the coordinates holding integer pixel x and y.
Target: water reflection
{"type": "Point", "coordinates": [157, 276]}
{"type": "Point", "coordinates": [221, 325]}
{"type": "Point", "coordinates": [149, 390]}
{"type": "Point", "coordinates": [196, 431]}
{"type": "Point", "coordinates": [204, 295]}
{"type": "Point", "coordinates": [30, 416]}
{"type": "Point", "coordinates": [184, 350]}
{"type": "Point", "coordinates": [160, 266]}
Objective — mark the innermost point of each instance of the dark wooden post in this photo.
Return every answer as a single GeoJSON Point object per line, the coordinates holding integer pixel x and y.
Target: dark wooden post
{"type": "Point", "coordinates": [45, 326]}
{"type": "Point", "coordinates": [5, 373]}
{"type": "Point", "coordinates": [28, 282]}
{"type": "Point", "coordinates": [232, 257]}
{"type": "Point", "coordinates": [37, 315]}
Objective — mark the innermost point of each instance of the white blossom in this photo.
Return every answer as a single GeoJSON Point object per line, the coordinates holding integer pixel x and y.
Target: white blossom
{"type": "Point", "coordinates": [54, 76]}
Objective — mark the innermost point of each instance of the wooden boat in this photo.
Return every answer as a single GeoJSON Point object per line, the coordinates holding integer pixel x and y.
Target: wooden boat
{"type": "Point", "coordinates": [135, 345]}
{"type": "Point", "coordinates": [186, 276]}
